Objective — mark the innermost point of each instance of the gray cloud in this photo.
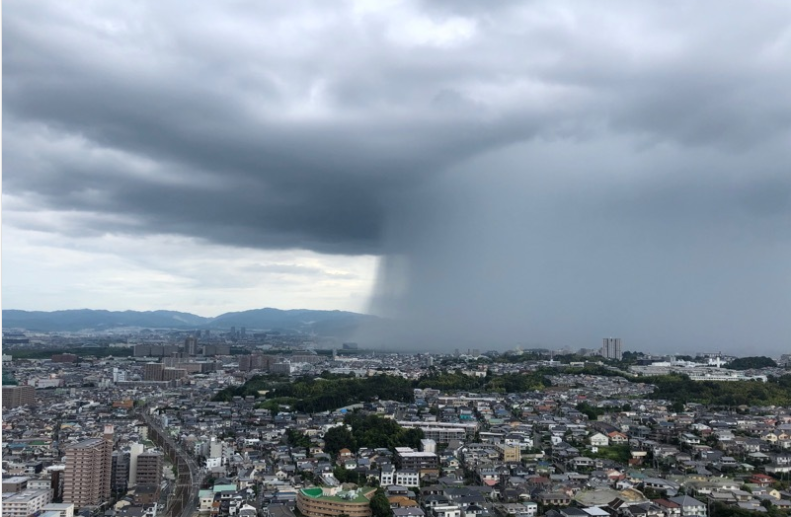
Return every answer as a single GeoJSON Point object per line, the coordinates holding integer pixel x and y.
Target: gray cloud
{"type": "Point", "coordinates": [492, 155]}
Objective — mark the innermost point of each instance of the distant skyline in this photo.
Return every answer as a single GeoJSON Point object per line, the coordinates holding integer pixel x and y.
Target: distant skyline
{"type": "Point", "coordinates": [546, 172]}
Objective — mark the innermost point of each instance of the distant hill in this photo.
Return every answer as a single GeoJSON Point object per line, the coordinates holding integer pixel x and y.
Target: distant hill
{"type": "Point", "coordinates": [327, 323]}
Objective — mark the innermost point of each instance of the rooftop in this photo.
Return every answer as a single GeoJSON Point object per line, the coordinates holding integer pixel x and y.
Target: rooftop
{"type": "Point", "coordinates": [346, 496]}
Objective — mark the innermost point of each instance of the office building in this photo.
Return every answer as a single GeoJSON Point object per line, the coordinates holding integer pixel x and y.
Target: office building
{"type": "Point", "coordinates": [120, 472]}
{"type": "Point", "coordinates": [407, 458]}
{"type": "Point", "coordinates": [135, 450]}
{"type": "Point", "coordinates": [14, 484]}
{"type": "Point", "coordinates": [88, 473]}
{"type": "Point", "coordinates": [16, 396]}
{"type": "Point", "coordinates": [191, 346]}
{"type": "Point", "coordinates": [153, 371]}
{"type": "Point", "coordinates": [141, 350]}
{"type": "Point", "coordinates": [611, 348]}
{"type": "Point", "coordinates": [25, 503]}
{"type": "Point", "coordinates": [149, 468]}
{"type": "Point", "coordinates": [171, 374]}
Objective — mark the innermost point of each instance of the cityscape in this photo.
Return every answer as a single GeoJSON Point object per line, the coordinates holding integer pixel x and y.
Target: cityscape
{"type": "Point", "coordinates": [245, 422]}
{"type": "Point", "coordinates": [396, 258]}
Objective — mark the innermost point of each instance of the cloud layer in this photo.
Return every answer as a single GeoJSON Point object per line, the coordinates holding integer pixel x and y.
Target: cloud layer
{"type": "Point", "coordinates": [525, 155]}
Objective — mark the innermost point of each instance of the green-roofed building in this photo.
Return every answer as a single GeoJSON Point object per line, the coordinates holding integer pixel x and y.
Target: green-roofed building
{"type": "Point", "coordinates": [332, 501]}
{"type": "Point", "coordinates": [224, 488]}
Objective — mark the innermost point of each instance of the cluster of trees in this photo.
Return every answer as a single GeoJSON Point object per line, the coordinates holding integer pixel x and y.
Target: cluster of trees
{"type": "Point", "coordinates": [345, 475]}
{"type": "Point", "coordinates": [751, 363]}
{"type": "Point", "coordinates": [252, 387]}
{"type": "Point", "coordinates": [297, 439]}
{"type": "Point", "coordinates": [94, 351]}
{"type": "Point", "coordinates": [681, 389]}
{"type": "Point", "coordinates": [507, 383]}
{"type": "Point", "coordinates": [619, 453]}
{"type": "Point", "coordinates": [726, 510]}
{"type": "Point", "coordinates": [380, 506]}
{"type": "Point", "coordinates": [329, 393]}
{"type": "Point", "coordinates": [369, 431]}
{"type": "Point", "coordinates": [592, 412]}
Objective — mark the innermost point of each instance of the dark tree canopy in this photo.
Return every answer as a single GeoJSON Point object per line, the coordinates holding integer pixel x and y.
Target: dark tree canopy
{"type": "Point", "coordinates": [751, 363]}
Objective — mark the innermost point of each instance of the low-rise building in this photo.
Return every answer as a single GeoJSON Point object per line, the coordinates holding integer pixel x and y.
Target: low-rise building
{"type": "Point", "coordinates": [331, 502]}
{"type": "Point", "coordinates": [26, 502]}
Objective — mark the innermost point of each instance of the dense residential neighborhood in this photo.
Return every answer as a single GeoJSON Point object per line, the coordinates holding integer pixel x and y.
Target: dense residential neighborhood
{"type": "Point", "coordinates": [228, 435]}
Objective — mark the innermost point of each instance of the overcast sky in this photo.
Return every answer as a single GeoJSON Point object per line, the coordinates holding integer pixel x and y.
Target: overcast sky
{"type": "Point", "coordinates": [496, 173]}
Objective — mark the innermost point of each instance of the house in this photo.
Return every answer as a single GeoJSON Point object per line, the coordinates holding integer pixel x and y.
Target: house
{"type": "Point", "coordinates": [448, 510]}
{"type": "Point", "coordinates": [554, 498]}
{"type": "Point", "coordinates": [618, 438]}
{"type": "Point", "coordinates": [689, 439]}
{"type": "Point", "coordinates": [689, 505]}
{"type": "Point", "coordinates": [669, 508]}
{"type": "Point", "coordinates": [599, 440]}
{"type": "Point", "coordinates": [408, 512]}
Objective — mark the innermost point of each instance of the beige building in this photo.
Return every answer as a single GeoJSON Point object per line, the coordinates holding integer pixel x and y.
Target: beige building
{"type": "Point", "coordinates": [508, 453]}
{"type": "Point", "coordinates": [62, 509]}
{"type": "Point", "coordinates": [25, 503]}
{"type": "Point", "coordinates": [15, 396]}
{"type": "Point", "coordinates": [153, 371]}
{"type": "Point", "coordinates": [87, 479]}
{"type": "Point", "coordinates": [331, 502]}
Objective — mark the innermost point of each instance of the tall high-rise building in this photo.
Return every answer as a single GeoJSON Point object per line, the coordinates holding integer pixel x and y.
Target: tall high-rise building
{"type": "Point", "coordinates": [135, 450]}
{"type": "Point", "coordinates": [88, 475]}
{"type": "Point", "coordinates": [611, 348]}
{"type": "Point", "coordinates": [120, 472]}
{"type": "Point", "coordinates": [15, 396]}
{"type": "Point", "coordinates": [191, 346]}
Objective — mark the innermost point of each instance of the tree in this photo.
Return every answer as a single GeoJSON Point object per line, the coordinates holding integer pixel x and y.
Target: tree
{"type": "Point", "coordinates": [750, 363]}
{"type": "Point", "coordinates": [338, 438]}
{"type": "Point", "coordinates": [380, 506]}
{"type": "Point", "coordinates": [297, 438]}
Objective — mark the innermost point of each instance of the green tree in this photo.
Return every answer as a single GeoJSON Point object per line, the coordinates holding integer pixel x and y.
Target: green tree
{"type": "Point", "coordinates": [380, 506]}
{"type": "Point", "coordinates": [750, 363]}
{"type": "Point", "coordinates": [297, 438]}
{"type": "Point", "coordinates": [338, 438]}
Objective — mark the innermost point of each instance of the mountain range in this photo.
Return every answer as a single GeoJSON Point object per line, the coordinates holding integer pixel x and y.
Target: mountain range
{"type": "Point", "coordinates": [327, 323]}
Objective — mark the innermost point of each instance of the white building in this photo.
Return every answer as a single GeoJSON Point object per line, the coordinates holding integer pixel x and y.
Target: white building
{"type": "Point", "coordinates": [387, 476]}
{"type": "Point", "coordinates": [63, 509]}
{"type": "Point", "coordinates": [25, 503]}
{"type": "Point", "coordinates": [611, 348]}
{"type": "Point", "coordinates": [135, 450]}
{"type": "Point", "coordinates": [408, 478]}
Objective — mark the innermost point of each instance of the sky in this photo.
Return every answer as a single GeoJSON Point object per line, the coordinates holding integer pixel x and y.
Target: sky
{"type": "Point", "coordinates": [539, 173]}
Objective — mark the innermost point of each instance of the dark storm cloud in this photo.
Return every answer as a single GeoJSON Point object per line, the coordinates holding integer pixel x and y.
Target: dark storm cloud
{"type": "Point", "coordinates": [191, 94]}
{"type": "Point", "coordinates": [650, 127]}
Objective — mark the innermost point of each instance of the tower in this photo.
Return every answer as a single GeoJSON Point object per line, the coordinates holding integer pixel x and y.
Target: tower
{"type": "Point", "coordinates": [611, 348]}
{"type": "Point", "coordinates": [191, 346]}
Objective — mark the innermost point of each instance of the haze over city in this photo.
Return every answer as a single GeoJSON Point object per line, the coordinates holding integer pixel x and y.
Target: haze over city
{"type": "Point", "coordinates": [535, 173]}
